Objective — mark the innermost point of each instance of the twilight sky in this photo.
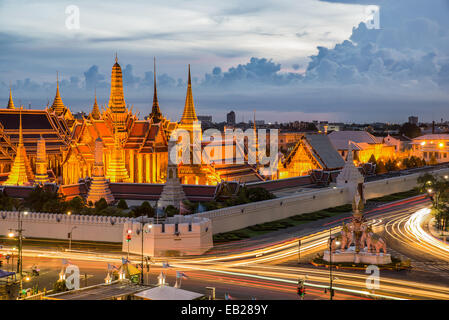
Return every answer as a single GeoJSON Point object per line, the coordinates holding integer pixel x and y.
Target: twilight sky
{"type": "Point", "coordinates": [289, 60]}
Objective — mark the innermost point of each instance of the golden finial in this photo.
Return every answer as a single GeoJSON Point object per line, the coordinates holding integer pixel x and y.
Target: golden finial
{"type": "Point", "coordinates": [116, 58]}
{"type": "Point", "coordinates": [190, 80]}
{"type": "Point", "coordinates": [10, 102]}
{"type": "Point", "coordinates": [189, 114]}
{"type": "Point", "coordinates": [20, 127]}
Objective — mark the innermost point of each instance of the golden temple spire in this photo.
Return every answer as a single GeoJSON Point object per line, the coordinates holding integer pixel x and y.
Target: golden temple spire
{"type": "Point", "coordinates": [189, 115]}
{"type": "Point", "coordinates": [156, 113]}
{"type": "Point", "coordinates": [41, 162]}
{"type": "Point", "coordinates": [58, 105]}
{"type": "Point", "coordinates": [116, 171]}
{"type": "Point", "coordinates": [117, 104]}
{"type": "Point", "coordinates": [10, 101]}
{"type": "Point", "coordinates": [99, 187]}
{"type": "Point", "coordinates": [20, 173]}
{"type": "Point", "coordinates": [95, 109]}
{"type": "Point", "coordinates": [20, 128]}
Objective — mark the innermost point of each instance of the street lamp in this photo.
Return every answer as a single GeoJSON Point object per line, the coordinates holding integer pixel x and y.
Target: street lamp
{"type": "Point", "coordinates": [70, 237]}
{"type": "Point", "coordinates": [20, 239]}
{"type": "Point", "coordinates": [331, 293]}
{"type": "Point", "coordinates": [142, 230]}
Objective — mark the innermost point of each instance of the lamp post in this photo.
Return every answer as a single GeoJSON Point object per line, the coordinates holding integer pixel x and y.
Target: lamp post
{"type": "Point", "coordinates": [70, 237]}
{"type": "Point", "coordinates": [19, 231]}
{"type": "Point", "coordinates": [330, 264]}
{"type": "Point", "coordinates": [142, 231]}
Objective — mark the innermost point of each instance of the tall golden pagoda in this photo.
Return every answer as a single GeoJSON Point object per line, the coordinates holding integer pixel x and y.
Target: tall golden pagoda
{"type": "Point", "coordinates": [189, 120]}
{"type": "Point", "coordinates": [20, 173]}
{"type": "Point", "coordinates": [117, 106]}
{"type": "Point", "coordinates": [189, 115]}
{"type": "Point", "coordinates": [194, 172]}
{"type": "Point", "coordinates": [41, 163]}
{"type": "Point", "coordinates": [10, 101]}
{"type": "Point", "coordinates": [99, 186]}
{"type": "Point", "coordinates": [95, 114]}
{"type": "Point", "coordinates": [116, 171]}
{"type": "Point", "coordinates": [58, 105]}
{"type": "Point", "coordinates": [156, 113]}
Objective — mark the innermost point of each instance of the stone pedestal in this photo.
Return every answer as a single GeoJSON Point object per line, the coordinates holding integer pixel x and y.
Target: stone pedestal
{"type": "Point", "coordinates": [351, 256]}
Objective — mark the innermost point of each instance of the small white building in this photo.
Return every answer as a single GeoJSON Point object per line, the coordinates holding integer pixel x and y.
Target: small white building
{"type": "Point", "coordinates": [176, 236]}
{"type": "Point", "coordinates": [430, 146]}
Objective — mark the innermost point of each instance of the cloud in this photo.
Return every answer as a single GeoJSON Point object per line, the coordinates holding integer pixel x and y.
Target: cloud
{"type": "Point", "coordinates": [410, 53]}
{"type": "Point", "coordinates": [93, 78]}
{"type": "Point", "coordinates": [257, 70]}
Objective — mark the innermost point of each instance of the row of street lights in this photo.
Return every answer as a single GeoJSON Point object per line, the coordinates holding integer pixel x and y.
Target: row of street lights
{"type": "Point", "coordinates": [20, 237]}
{"type": "Point", "coordinates": [11, 234]}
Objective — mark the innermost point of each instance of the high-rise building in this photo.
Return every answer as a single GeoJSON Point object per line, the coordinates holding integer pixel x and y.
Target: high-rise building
{"type": "Point", "coordinates": [230, 118]}
{"type": "Point", "coordinates": [413, 120]}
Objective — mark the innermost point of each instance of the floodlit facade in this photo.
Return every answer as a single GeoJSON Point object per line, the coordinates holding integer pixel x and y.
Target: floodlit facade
{"type": "Point", "coordinates": [364, 145]}
{"type": "Point", "coordinates": [58, 148]}
{"type": "Point", "coordinates": [431, 147]}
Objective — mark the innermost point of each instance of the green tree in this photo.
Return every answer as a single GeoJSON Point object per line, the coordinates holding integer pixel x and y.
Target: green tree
{"type": "Point", "coordinates": [438, 191]}
{"type": "Point", "coordinates": [122, 204]}
{"type": "Point", "coordinates": [410, 130]}
{"type": "Point", "coordinates": [41, 200]}
{"type": "Point", "coordinates": [145, 209]}
{"type": "Point", "coordinates": [380, 167]}
{"type": "Point", "coordinates": [76, 205]}
{"type": "Point", "coordinates": [101, 205]}
{"type": "Point", "coordinates": [391, 165]}
{"type": "Point", "coordinates": [170, 211]}
{"type": "Point", "coordinates": [7, 203]}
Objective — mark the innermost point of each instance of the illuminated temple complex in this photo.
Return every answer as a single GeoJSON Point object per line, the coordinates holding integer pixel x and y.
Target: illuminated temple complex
{"type": "Point", "coordinates": [50, 145]}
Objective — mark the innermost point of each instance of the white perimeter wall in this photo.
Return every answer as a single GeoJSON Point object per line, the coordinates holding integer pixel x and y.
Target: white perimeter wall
{"type": "Point", "coordinates": [110, 229]}
{"type": "Point", "coordinates": [238, 217]}
{"type": "Point", "coordinates": [57, 226]}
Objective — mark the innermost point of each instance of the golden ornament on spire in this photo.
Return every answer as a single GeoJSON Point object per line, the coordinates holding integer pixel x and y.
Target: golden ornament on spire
{"type": "Point", "coordinates": [19, 175]}
{"type": "Point", "coordinates": [117, 106]}
{"type": "Point", "coordinates": [116, 99]}
{"type": "Point", "coordinates": [95, 114]}
{"type": "Point", "coordinates": [189, 115]}
{"type": "Point", "coordinates": [41, 162]}
{"type": "Point", "coordinates": [99, 187]}
{"type": "Point", "coordinates": [58, 105]}
{"type": "Point", "coordinates": [10, 101]}
{"type": "Point", "coordinates": [116, 171]}
{"type": "Point", "coordinates": [156, 113]}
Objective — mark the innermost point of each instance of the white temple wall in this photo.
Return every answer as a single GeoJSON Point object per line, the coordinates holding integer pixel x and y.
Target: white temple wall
{"type": "Point", "coordinates": [159, 241]}
{"type": "Point", "coordinates": [57, 226]}
{"type": "Point", "coordinates": [238, 217]}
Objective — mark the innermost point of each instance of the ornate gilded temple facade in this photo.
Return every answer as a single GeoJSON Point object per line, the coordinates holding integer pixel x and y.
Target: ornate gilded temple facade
{"type": "Point", "coordinates": [135, 150]}
{"type": "Point", "coordinates": [51, 145]}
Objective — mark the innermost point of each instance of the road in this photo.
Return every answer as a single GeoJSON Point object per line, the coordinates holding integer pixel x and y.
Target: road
{"type": "Point", "coordinates": [267, 268]}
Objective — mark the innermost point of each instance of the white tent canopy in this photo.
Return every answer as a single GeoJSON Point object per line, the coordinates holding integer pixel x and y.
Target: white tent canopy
{"type": "Point", "coordinates": [168, 293]}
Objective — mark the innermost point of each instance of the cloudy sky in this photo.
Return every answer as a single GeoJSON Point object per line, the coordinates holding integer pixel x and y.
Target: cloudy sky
{"type": "Point", "coordinates": [287, 59]}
